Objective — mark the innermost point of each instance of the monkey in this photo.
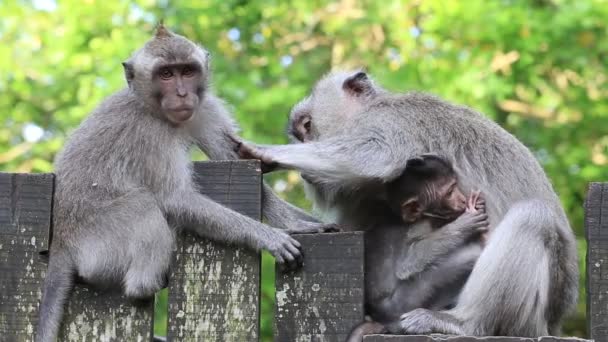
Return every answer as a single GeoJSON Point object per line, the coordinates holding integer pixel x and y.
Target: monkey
{"type": "Point", "coordinates": [353, 136]}
{"type": "Point", "coordinates": [439, 254]}
{"type": "Point", "coordinates": [123, 183]}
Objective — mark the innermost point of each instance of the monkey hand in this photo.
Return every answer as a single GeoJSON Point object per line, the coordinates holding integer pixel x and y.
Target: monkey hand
{"type": "Point", "coordinates": [250, 151]}
{"type": "Point", "coordinates": [470, 223]}
{"type": "Point", "coordinates": [307, 227]}
{"type": "Point", "coordinates": [285, 249]}
{"type": "Point", "coordinates": [476, 202]}
{"type": "Point", "coordinates": [418, 322]}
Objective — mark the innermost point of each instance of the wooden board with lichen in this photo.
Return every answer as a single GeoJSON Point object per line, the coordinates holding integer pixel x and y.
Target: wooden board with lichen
{"type": "Point", "coordinates": [214, 289]}
{"type": "Point", "coordinates": [93, 315]}
{"type": "Point", "coordinates": [323, 301]}
{"type": "Point", "coordinates": [596, 230]}
{"type": "Point", "coordinates": [25, 219]}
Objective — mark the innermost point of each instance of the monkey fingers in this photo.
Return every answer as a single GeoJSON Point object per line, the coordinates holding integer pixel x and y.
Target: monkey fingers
{"type": "Point", "coordinates": [330, 228]}
{"type": "Point", "coordinates": [247, 151]}
{"type": "Point", "coordinates": [287, 252]}
{"type": "Point", "coordinates": [314, 228]}
{"type": "Point", "coordinates": [472, 200]}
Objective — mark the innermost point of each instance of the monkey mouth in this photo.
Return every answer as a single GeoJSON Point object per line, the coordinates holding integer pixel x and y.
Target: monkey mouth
{"type": "Point", "coordinates": [181, 114]}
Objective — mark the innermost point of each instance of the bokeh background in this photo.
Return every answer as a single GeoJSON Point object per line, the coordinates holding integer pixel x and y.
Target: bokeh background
{"type": "Point", "coordinates": [536, 67]}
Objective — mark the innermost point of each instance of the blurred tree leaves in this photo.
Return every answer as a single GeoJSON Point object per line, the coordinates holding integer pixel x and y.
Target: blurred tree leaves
{"type": "Point", "coordinates": [537, 67]}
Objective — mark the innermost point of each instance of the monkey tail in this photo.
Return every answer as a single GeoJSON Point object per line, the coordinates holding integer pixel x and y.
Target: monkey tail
{"type": "Point", "coordinates": [366, 328]}
{"type": "Point", "coordinates": [57, 285]}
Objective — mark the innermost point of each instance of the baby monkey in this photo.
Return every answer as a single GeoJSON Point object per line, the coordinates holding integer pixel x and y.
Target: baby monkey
{"type": "Point", "coordinates": [441, 230]}
{"type": "Point", "coordinates": [428, 189]}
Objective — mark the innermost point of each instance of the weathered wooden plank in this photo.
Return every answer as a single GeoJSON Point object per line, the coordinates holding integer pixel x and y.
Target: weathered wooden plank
{"type": "Point", "coordinates": [25, 219]}
{"type": "Point", "coordinates": [596, 230]}
{"type": "Point", "coordinates": [103, 316]}
{"type": "Point", "coordinates": [446, 338]}
{"type": "Point", "coordinates": [323, 301]}
{"type": "Point", "coordinates": [214, 289]}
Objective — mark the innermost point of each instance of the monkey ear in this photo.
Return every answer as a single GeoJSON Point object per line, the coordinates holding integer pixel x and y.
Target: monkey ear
{"type": "Point", "coordinates": [358, 84]}
{"type": "Point", "coordinates": [129, 72]}
{"type": "Point", "coordinates": [411, 210]}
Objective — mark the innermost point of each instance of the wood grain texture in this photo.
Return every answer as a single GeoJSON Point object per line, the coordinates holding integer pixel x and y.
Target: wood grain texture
{"type": "Point", "coordinates": [25, 219]}
{"type": "Point", "coordinates": [93, 315]}
{"type": "Point", "coordinates": [596, 231]}
{"type": "Point", "coordinates": [323, 301]}
{"type": "Point", "coordinates": [214, 290]}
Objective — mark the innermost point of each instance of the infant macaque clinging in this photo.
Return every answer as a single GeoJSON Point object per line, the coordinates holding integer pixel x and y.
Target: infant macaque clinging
{"type": "Point", "coordinates": [428, 189]}
{"type": "Point", "coordinates": [436, 256]}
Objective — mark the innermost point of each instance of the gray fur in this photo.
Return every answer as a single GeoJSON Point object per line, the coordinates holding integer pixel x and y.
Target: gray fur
{"type": "Point", "coordinates": [416, 266]}
{"type": "Point", "coordinates": [124, 183]}
{"type": "Point", "coordinates": [360, 142]}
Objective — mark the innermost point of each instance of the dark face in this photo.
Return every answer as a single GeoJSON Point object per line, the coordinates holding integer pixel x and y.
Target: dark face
{"type": "Point", "coordinates": [439, 199]}
{"type": "Point", "coordinates": [178, 90]}
{"type": "Point", "coordinates": [447, 200]}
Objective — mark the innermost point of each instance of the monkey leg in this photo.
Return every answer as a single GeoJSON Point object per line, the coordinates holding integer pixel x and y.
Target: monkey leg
{"type": "Point", "coordinates": [508, 291]}
{"type": "Point", "coordinates": [130, 242]}
{"type": "Point", "coordinates": [150, 253]}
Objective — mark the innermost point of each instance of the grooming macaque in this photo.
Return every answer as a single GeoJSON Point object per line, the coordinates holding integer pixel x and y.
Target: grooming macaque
{"type": "Point", "coordinates": [435, 256]}
{"type": "Point", "coordinates": [351, 137]}
{"type": "Point", "coordinates": [124, 182]}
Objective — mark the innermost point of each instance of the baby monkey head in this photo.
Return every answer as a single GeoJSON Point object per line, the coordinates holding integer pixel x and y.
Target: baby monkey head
{"type": "Point", "coordinates": [428, 187]}
{"type": "Point", "coordinates": [169, 74]}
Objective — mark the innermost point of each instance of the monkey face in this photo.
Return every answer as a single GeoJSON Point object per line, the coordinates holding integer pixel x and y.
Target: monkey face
{"type": "Point", "coordinates": [169, 75]}
{"type": "Point", "coordinates": [178, 90]}
{"type": "Point", "coordinates": [334, 101]}
{"type": "Point", "coordinates": [449, 201]}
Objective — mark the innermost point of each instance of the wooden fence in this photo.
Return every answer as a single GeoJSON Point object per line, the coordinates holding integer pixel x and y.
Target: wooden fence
{"type": "Point", "coordinates": [214, 291]}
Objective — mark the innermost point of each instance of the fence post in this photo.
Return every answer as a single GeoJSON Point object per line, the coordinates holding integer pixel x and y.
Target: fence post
{"type": "Point", "coordinates": [596, 232]}
{"type": "Point", "coordinates": [214, 292]}
{"type": "Point", "coordinates": [25, 220]}
{"type": "Point", "coordinates": [323, 300]}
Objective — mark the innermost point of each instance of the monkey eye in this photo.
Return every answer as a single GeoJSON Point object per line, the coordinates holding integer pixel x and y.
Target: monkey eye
{"type": "Point", "coordinates": [165, 74]}
{"type": "Point", "coordinates": [188, 71]}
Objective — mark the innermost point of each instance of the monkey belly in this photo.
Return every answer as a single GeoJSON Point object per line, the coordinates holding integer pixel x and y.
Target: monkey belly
{"type": "Point", "coordinates": [132, 248]}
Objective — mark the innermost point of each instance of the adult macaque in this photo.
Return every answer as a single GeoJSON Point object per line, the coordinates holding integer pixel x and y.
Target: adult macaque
{"type": "Point", "coordinates": [434, 258]}
{"type": "Point", "coordinates": [357, 136]}
{"type": "Point", "coordinates": [124, 182]}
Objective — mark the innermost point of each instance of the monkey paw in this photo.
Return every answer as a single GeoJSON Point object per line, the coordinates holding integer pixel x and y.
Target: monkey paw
{"type": "Point", "coordinates": [250, 151]}
{"type": "Point", "coordinates": [417, 322]}
{"type": "Point", "coordinates": [305, 227]}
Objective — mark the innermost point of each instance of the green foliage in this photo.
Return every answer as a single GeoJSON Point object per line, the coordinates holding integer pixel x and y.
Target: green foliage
{"type": "Point", "coordinates": [537, 67]}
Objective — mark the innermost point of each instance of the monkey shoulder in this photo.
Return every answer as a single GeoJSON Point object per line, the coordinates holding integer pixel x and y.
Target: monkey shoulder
{"type": "Point", "coordinates": [120, 144]}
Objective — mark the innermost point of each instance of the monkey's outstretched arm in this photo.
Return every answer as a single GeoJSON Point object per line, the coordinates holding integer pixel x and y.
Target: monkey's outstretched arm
{"type": "Point", "coordinates": [212, 220]}
{"type": "Point", "coordinates": [358, 159]}
{"type": "Point", "coordinates": [212, 133]}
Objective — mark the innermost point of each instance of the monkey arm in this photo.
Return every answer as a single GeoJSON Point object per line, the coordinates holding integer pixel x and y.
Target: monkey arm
{"type": "Point", "coordinates": [426, 251]}
{"type": "Point", "coordinates": [212, 132]}
{"type": "Point", "coordinates": [212, 220]}
{"type": "Point", "coordinates": [342, 159]}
